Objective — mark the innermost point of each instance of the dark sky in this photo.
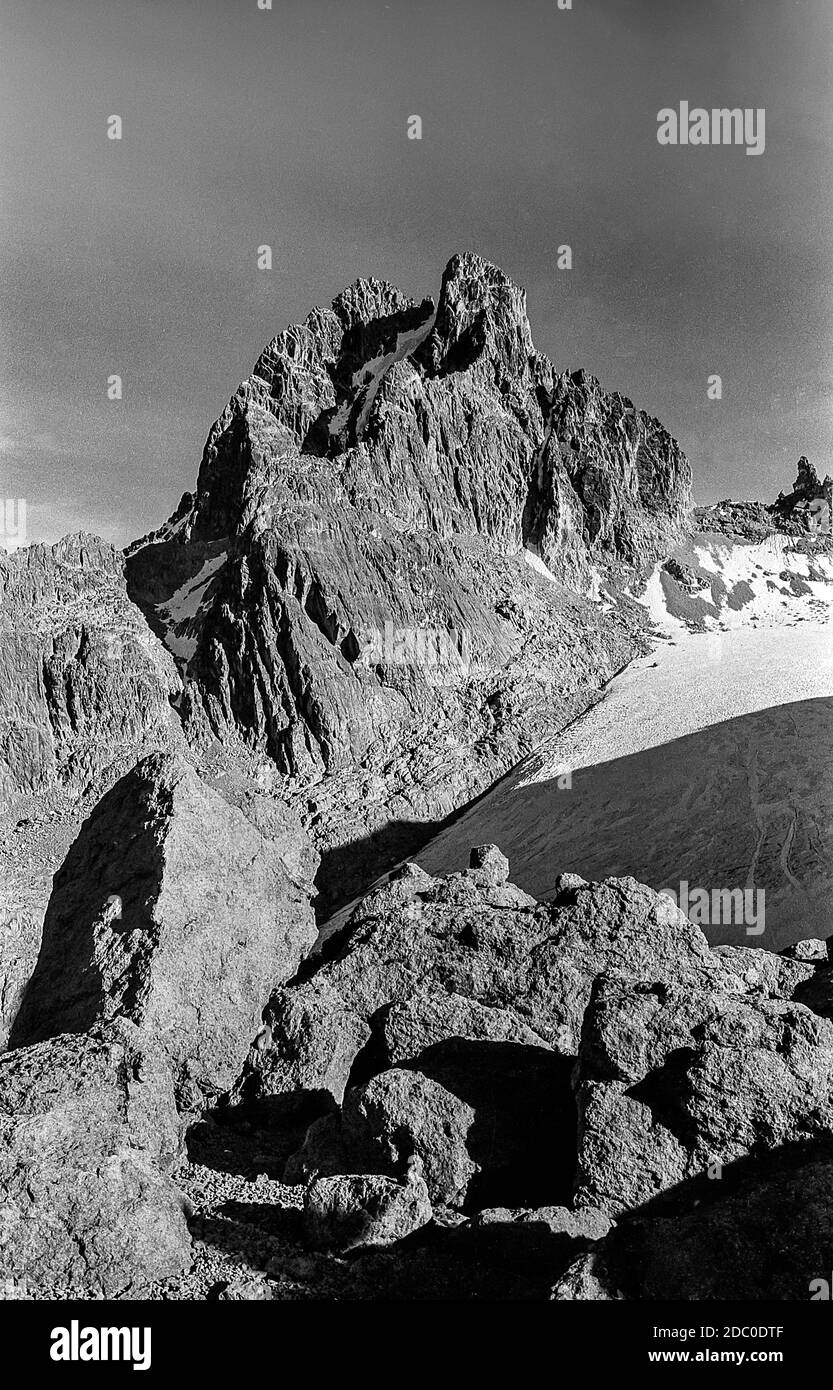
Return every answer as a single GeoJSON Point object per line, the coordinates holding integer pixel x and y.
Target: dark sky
{"type": "Point", "coordinates": [288, 127]}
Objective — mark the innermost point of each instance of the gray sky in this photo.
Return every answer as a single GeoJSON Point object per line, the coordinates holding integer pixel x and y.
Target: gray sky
{"type": "Point", "coordinates": [288, 127]}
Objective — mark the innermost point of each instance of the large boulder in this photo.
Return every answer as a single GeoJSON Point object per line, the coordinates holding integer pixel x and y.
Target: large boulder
{"type": "Point", "coordinates": [88, 1135]}
{"type": "Point", "coordinates": [398, 1115]}
{"type": "Point", "coordinates": [430, 1017]}
{"type": "Point", "coordinates": [672, 1084]}
{"type": "Point", "coordinates": [303, 1052]}
{"type": "Point", "coordinates": [475, 937]}
{"type": "Point", "coordinates": [179, 911]}
{"type": "Point", "coordinates": [767, 1238]}
{"type": "Point", "coordinates": [468, 985]}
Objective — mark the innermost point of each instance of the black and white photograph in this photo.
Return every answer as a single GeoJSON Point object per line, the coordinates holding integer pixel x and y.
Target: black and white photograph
{"type": "Point", "coordinates": [416, 675]}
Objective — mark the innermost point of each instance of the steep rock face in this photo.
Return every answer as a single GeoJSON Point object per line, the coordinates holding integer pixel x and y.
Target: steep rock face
{"type": "Point", "coordinates": [611, 483]}
{"type": "Point", "coordinates": [178, 911]}
{"type": "Point", "coordinates": [82, 679]}
{"type": "Point", "coordinates": [358, 590]}
{"type": "Point", "coordinates": [88, 1135]}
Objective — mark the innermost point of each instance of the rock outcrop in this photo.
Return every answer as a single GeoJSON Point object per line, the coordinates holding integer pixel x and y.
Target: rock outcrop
{"type": "Point", "coordinates": [178, 911]}
{"type": "Point", "coordinates": [809, 506]}
{"type": "Point", "coordinates": [88, 1136]}
{"type": "Point", "coordinates": [85, 690]}
{"type": "Point", "coordinates": [451, 1015]}
{"type": "Point", "coordinates": [585, 1084]}
{"type": "Point", "coordinates": [767, 1238]}
{"type": "Point", "coordinates": [672, 1083]}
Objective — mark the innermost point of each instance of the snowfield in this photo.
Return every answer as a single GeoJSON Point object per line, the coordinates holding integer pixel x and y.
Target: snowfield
{"type": "Point", "coordinates": [710, 761]}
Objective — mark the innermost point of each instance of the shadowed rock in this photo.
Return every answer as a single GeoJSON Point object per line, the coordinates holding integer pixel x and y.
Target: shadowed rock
{"type": "Point", "coordinates": [178, 911]}
{"type": "Point", "coordinates": [347, 1213]}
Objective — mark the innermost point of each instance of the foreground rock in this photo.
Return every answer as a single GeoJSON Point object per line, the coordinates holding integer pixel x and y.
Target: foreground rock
{"type": "Point", "coordinates": [672, 1083]}
{"type": "Point", "coordinates": [347, 1213]}
{"type": "Point", "coordinates": [303, 1052]}
{"type": "Point", "coordinates": [452, 1015]}
{"type": "Point", "coordinates": [397, 1114]}
{"type": "Point", "coordinates": [178, 911]}
{"type": "Point", "coordinates": [769, 1239]}
{"type": "Point", "coordinates": [88, 1135]}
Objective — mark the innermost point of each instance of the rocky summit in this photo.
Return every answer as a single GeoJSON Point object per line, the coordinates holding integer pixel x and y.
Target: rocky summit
{"type": "Point", "coordinates": [337, 955]}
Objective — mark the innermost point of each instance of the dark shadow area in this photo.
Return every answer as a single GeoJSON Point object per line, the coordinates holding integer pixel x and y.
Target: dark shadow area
{"type": "Point", "coordinates": [524, 1134]}
{"type": "Point", "coordinates": [107, 879]}
{"type": "Point", "coordinates": [348, 871]}
{"type": "Point", "coordinates": [255, 1139]}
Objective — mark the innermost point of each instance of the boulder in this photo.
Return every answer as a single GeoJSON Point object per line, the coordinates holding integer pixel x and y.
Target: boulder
{"type": "Point", "coordinates": [178, 911]}
{"type": "Point", "coordinates": [672, 1084]}
{"type": "Point", "coordinates": [88, 1135]}
{"type": "Point", "coordinates": [429, 1017]}
{"type": "Point", "coordinates": [303, 1052]}
{"type": "Point", "coordinates": [768, 1240]}
{"type": "Point", "coordinates": [468, 937]}
{"type": "Point", "coordinates": [469, 984]}
{"type": "Point", "coordinates": [397, 1115]}
{"type": "Point", "coordinates": [347, 1213]}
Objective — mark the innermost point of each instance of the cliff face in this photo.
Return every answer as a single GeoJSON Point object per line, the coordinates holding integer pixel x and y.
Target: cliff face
{"type": "Point", "coordinates": [82, 678]}
{"type": "Point", "coordinates": [389, 572]}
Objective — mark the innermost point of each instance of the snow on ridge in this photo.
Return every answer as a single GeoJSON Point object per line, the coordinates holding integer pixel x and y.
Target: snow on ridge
{"type": "Point", "coordinates": [182, 608]}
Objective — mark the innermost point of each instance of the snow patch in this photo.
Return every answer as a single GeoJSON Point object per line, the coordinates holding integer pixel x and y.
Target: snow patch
{"type": "Point", "coordinates": [181, 610]}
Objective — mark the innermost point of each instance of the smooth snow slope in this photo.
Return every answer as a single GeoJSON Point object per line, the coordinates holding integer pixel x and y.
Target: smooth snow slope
{"type": "Point", "coordinates": [709, 761]}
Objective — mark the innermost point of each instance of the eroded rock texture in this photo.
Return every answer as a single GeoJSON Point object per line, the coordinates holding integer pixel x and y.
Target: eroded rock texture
{"type": "Point", "coordinates": [556, 1068]}
{"type": "Point", "coordinates": [448, 1022]}
{"type": "Point", "coordinates": [88, 1135]}
{"type": "Point", "coordinates": [85, 690]}
{"type": "Point", "coordinates": [82, 678]}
